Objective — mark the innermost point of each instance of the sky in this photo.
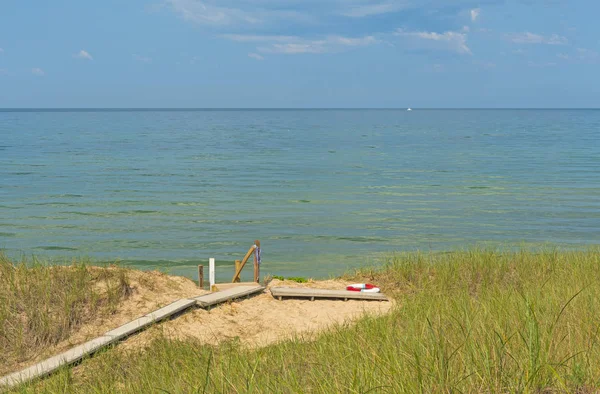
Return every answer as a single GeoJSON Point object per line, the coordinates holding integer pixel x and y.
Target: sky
{"type": "Point", "coordinates": [299, 54]}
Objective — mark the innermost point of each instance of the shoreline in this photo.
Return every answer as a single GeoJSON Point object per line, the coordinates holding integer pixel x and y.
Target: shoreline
{"type": "Point", "coordinates": [188, 268]}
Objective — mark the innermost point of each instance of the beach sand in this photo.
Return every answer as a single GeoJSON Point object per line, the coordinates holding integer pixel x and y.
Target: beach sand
{"type": "Point", "coordinates": [263, 320]}
{"type": "Point", "coordinates": [258, 321]}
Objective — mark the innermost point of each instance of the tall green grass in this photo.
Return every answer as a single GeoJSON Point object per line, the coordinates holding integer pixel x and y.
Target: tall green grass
{"type": "Point", "coordinates": [465, 322]}
{"type": "Point", "coordinates": [41, 305]}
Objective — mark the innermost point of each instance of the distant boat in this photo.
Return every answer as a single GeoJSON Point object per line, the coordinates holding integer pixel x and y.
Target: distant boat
{"type": "Point", "coordinates": [409, 109]}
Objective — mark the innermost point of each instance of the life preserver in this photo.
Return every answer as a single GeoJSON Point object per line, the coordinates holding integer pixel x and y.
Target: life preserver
{"type": "Point", "coordinates": [363, 287]}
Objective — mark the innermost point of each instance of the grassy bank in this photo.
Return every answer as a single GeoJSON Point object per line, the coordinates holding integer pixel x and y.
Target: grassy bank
{"type": "Point", "coordinates": [477, 321]}
{"type": "Point", "coordinates": [41, 305]}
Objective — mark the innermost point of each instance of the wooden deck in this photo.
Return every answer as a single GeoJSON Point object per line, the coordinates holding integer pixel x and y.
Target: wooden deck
{"type": "Point", "coordinates": [312, 294]}
{"type": "Point", "coordinates": [77, 353]}
{"type": "Point", "coordinates": [232, 293]}
{"type": "Point", "coordinates": [225, 286]}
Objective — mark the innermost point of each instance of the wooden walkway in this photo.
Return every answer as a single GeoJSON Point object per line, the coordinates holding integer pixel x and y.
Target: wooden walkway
{"type": "Point", "coordinates": [50, 365]}
{"type": "Point", "coordinates": [208, 300]}
{"type": "Point", "coordinates": [292, 292]}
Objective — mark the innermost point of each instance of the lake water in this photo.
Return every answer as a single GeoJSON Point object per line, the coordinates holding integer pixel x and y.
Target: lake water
{"type": "Point", "coordinates": [324, 190]}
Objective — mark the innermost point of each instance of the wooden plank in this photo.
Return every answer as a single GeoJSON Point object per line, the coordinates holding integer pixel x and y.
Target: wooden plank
{"type": "Point", "coordinates": [218, 297]}
{"type": "Point", "coordinates": [280, 292]}
{"type": "Point", "coordinates": [238, 269]}
{"type": "Point", "coordinates": [77, 353]}
{"type": "Point", "coordinates": [50, 365]}
{"type": "Point", "coordinates": [152, 317]}
{"type": "Point", "coordinates": [225, 286]}
{"type": "Point", "coordinates": [201, 276]}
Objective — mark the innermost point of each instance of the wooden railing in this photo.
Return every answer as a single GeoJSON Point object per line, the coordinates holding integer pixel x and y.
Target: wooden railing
{"type": "Point", "coordinates": [239, 265]}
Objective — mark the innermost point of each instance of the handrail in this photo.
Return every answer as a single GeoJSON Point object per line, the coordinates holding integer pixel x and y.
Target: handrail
{"type": "Point", "coordinates": [239, 266]}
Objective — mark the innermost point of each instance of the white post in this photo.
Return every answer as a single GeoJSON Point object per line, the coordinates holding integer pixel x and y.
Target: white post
{"type": "Point", "coordinates": [211, 272]}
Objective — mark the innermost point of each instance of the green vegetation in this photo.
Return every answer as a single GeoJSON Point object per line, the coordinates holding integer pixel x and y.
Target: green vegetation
{"type": "Point", "coordinates": [41, 305]}
{"type": "Point", "coordinates": [476, 321]}
{"type": "Point", "coordinates": [298, 279]}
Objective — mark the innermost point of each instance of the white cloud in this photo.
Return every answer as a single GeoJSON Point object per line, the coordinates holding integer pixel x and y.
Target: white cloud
{"type": "Point", "coordinates": [249, 19]}
{"type": "Point", "coordinates": [531, 38]}
{"type": "Point", "coordinates": [450, 40]}
{"type": "Point", "coordinates": [1, 50]}
{"type": "Point", "coordinates": [83, 55]}
{"type": "Point", "coordinates": [295, 48]}
{"type": "Point", "coordinates": [563, 56]}
{"type": "Point", "coordinates": [352, 42]}
{"type": "Point", "coordinates": [3, 71]}
{"type": "Point", "coordinates": [329, 44]}
{"type": "Point", "coordinates": [141, 58]}
{"type": "Point", "coordinates": [258, 38]}
{"type": "Point", "coordinates": [362, 10]}
{"type": "Point", "coordinates": [260, 12]}
{"type": "Point", "coordinates": [296, 45]}
{"type": "Point", "coordinates": [555, 39]}
{"type": "Point", "coordinates": [205, 13]}
{"type": "Point", "coordinates": [255, 56]}
{"type": "Point", "coordinates": [202, 13]}
{"type": "Point", "coordinates": [38, 71]}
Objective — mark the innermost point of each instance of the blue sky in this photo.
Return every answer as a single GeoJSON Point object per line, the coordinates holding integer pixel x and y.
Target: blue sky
{"type": "Point", "coordinates": [300, 53]}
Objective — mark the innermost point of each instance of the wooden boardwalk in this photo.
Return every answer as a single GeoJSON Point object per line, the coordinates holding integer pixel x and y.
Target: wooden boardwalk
{"type": "Point", "coordinates": [312, 294]}
{"type": "Point", "coordinates": [75, 354]}
{"type": "Point", "coordinates": [225, 286]}
{"type": "Point", "coordinates": [218, 297]}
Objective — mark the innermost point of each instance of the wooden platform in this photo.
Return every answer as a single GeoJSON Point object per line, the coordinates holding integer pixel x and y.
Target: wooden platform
{"type": "Point", "coordinates": [226, 286]}
{"type": "Point", "coordinates": [218, 297]}
{"type": "Point", "coordinates": [75, 354]}
{"type": "Point", "coordinates": [312, 294]}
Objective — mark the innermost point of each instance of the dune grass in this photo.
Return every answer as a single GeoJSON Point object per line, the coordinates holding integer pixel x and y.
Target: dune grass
{"type": "Point", "coordinates": [41, 305]}
{"type": "Point", "coordinates": [470, 322]}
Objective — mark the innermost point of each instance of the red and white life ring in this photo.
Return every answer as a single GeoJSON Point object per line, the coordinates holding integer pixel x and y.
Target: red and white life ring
{"type": "Point", "coordinates": [363, 287]}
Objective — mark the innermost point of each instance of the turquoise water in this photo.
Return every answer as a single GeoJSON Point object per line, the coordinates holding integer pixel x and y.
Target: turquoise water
{"type": "Point", "coordinates": [324, 190]}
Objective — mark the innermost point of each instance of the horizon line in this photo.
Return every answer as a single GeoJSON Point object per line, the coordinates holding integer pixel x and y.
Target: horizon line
{"type": "Point", "coordinates": [17, 109]}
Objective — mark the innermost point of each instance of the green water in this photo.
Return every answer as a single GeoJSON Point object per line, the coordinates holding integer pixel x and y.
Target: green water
{"type": "Point", "coordinates": [324, 190]}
